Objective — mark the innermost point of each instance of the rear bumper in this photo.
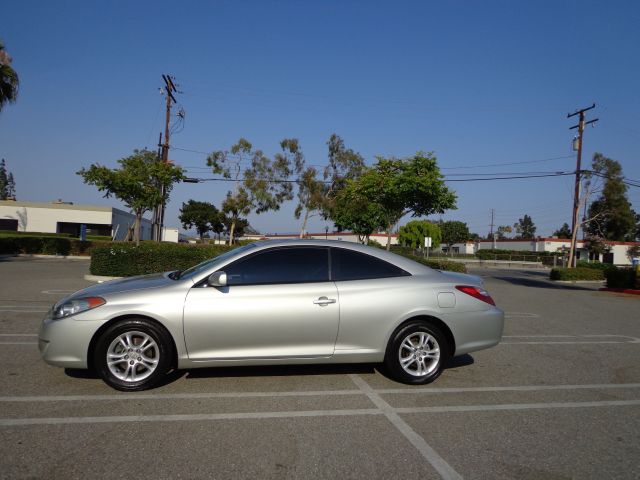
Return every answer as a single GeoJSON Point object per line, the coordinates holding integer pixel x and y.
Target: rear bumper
{"type": "Point", "coordinates": [476, 331]}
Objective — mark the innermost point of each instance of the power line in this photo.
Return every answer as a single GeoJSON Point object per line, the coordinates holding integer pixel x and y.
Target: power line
{"type": "Point", "coordinates": [503, 164]}
{"type": "Point", "coordinates": [556, 174]}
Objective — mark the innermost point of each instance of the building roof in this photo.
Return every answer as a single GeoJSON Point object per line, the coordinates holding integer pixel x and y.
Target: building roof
{"type": "Point", "coordinates": [60, 206]}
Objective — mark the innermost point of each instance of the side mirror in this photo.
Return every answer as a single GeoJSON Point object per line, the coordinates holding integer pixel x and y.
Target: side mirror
{"type": "Point", "coordinates": [217, 279]}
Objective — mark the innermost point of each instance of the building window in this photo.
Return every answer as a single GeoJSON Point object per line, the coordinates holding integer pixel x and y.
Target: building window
{"type": "Point", "coordinates": [9, 224]}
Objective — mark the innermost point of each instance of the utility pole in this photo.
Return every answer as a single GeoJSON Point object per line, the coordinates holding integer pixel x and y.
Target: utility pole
{"type": "Point", "coordinates": [158, 214]}
{"type": "Point", "coordinates": [491, 234]}
{"type": "Point", "coordinates": [575, 225]}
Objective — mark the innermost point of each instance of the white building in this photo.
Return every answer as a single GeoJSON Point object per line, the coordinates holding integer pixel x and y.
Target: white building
{"type": "Point", "coordinates": [65, 217]}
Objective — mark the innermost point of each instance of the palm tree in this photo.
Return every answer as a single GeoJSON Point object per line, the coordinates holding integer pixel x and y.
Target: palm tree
{"type": "Point", "coordinates": [8, 79]}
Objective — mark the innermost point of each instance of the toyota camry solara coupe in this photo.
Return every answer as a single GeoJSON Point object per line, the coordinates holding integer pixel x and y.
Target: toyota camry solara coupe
{"type": "Point", "coordinates": [274, 302]}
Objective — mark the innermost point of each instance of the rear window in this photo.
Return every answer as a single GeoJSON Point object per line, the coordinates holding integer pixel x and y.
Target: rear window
{"type": "Point", "coordinates": [351, 265]}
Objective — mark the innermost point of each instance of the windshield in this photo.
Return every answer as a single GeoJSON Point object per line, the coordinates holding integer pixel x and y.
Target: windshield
{"type": "Point", "coordinates": [212, 262]}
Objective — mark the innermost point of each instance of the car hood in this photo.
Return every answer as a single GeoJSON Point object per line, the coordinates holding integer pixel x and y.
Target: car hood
{"type": "Point", "coordinates": [143, 282]}
{"type": "Point", "coordinates": [463, 278]}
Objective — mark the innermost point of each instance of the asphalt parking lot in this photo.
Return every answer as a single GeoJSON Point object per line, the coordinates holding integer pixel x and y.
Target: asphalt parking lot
{"type": "Point", "coordinates": [558, 398]}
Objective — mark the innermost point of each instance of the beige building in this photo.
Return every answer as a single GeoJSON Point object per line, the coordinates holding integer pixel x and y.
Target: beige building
{"type": "Point", "coordinates": [65, 217]}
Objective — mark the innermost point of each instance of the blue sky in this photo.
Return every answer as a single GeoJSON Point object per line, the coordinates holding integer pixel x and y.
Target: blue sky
{"type": "Point", "coordinates": [478, 83]}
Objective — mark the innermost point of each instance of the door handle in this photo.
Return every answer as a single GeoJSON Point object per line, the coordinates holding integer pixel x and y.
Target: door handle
{"type": "Point", "coordinates": [324, 301]}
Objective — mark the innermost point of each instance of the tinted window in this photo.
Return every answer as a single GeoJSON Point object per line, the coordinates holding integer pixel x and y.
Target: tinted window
{"type": "Point", "coordinates": [350, 265]}
{"type": "Point", "coordinates": [283, 265]}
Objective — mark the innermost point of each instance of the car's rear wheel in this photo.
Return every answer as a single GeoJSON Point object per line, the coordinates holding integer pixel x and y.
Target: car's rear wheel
{"type": "Point", "coordinates": [416, 353]}
{"type": "Point", "coordinates": [133, 354]}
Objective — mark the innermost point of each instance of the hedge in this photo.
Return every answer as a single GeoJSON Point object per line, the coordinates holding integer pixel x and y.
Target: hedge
{"type": "Point", "coordinates": [595, 265]}
{"type": "Point", "coordinates": [14, 233]}
{"type": "Point", "coordinates": [44, 245]}
{"type": "Point", "coordinates": [439, 264]}
{"type": "Point", "coordinates": [576, 274]}
{"type": "Point", "coordinates": [127, 259]}
{"type": "Point", "coordinates": [621, 278]}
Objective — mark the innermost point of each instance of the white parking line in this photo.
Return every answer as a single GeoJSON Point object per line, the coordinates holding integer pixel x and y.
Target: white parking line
{"type": "Point", "coordinates": [445, 470]}
{"type": "Point", "coordinates": [521, 315]}
{"type": "Point", "coordinates": [569, 339]}
{"type": "Point", "coordinates": [18, 343]}
{"type": "Point", "coordinates": [522, 388]}
{"type": "Point", "coordinates": [187, 418]}
{"type": "Point", "coordinates": [518, 406]}
{"type": "Point", "coordinates": [18, 334]}
{"type": "Point", "coordinates": [12, 422]}
{"type": "Point", "coordinates": [311, 393]}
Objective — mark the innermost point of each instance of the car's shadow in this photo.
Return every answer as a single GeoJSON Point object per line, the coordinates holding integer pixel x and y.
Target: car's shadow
{"type": "Point", "coordinates": [275, 371]}
{"type": "Point", "coordinates": [544, 282]}
{"type": "Point", "coordinates": [280, 370]}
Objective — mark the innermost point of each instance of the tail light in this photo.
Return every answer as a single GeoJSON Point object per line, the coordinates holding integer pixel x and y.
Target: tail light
{"type": "Point", "coordinates": [476, 292]}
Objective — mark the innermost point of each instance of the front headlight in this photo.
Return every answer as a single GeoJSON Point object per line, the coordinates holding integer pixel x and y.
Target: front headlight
{"type": "Point", "coordinates": [71, 307]}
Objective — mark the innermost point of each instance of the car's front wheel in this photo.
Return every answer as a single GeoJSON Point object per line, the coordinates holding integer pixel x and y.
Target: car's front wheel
{"type": "Point", "coordinates": [416, 353]}
{"type": "Point", "coordinates": [133, 354]}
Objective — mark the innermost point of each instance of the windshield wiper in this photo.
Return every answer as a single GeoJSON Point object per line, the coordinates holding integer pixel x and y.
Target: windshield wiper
{"type": "Point", "coordinates": [175, 275]}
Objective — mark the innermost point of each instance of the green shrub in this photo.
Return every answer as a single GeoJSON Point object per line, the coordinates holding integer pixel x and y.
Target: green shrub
{"type": "Point", "coordinates": [621, 278]}
{"type": "Point", "coordinates": [99, 238]}
{"type": "Point", "coordinates": [126, 259]}
{"type": "Point", "coordinates": [595, 265]}
{"type": "Point", "coordinates": [515, 255]}
{"type": "Point", "coordinates": [56, 246]}
{"type": "Point", "coordinates": [12, 245]}
{"type": "Point", "coordinates": [13, 233]}
{"type": "Point", "coordinates": [439, 264]}
{"type": "Point", "coordinates": [568, 274]}
{"type": "Point", "coordinates": [47, 245]}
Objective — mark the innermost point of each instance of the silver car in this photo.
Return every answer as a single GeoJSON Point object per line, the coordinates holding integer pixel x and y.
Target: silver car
{"type": "Point", "coordinates": [274, 302]}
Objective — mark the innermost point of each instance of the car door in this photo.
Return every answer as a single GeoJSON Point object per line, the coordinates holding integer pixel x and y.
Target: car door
{"type": "Point", "coordinates": [373, 294]}
{"type": "Point", "coordinates": [278, 303]}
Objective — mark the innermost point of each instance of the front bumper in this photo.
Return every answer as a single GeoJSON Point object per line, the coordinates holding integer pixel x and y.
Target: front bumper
{"type": "Point", "coordinates": [65, 342]}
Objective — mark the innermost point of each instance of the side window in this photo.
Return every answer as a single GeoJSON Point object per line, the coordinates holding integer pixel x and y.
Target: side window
{"type": "Point", "coordinates": [282, 265]}
{"type": "Point", "coordinates": [350, 265]}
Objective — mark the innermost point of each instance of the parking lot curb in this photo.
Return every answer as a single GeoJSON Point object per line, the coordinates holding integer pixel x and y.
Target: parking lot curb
{"type": "Point", "coordinates": [630, 291]}
{"type": "Point", "coordinates": [100, 278]}
{"type": "Point", "coordinates": [36, 255]}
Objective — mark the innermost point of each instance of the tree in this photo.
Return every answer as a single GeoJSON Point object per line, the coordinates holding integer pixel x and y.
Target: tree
{"type": "Point", "coordinates": [525, 228]}
{"type": "Point", "coordinates": [611, 215]}
{"type": "Point", "coordinates": [9, 81]}
{"type": "Point", "coordinates": [414, 232]}
{"type": "Point", "coordinates": [563, 232]}
{"type": "Point", "coordinates": [502, 231]}
{"type": "Point", "coordinates": [344, 165]}
{"type": "Point", "coordinates": [7, 184]}
{"type": "Point", "coordinates": [136, 183]}
{"type": "Point", "coordinates": [633, 252]}
{"type": "Point", "coordinates": [394, 187]}
{"type": "Point", "coordinates": [240, 225]}
{"type": "Point", "coordinates": [311, 191]}
{"type": "Point", "coordinates": [595, 245]}
{"type": "Point", "coordinates": [204, 216]}
{"type": "Point", "coordinates": [454, 232]}
{"type": "Point", "coordinates": [258, 188]}
{"type": "Point", "coordinates": [352, 210]}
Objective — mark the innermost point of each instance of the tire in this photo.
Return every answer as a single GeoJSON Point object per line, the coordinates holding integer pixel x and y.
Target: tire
{"type": "Point", "coordinates": [125, 367]}
{"type": "Point", "coordinates": [416, 353]}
